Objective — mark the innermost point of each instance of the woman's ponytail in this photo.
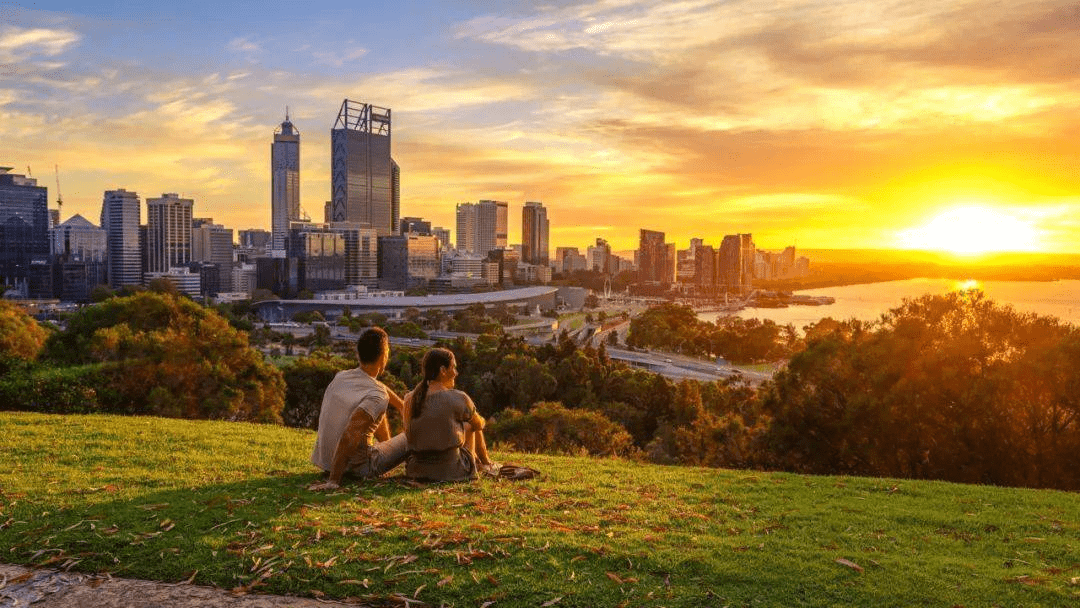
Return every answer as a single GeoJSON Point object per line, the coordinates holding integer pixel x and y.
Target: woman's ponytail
{"type": "Point", "coordinates": [434, 360]}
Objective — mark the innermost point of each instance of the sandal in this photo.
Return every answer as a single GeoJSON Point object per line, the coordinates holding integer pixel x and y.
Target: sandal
{"type": "Point", "coordinates": [515, 472]}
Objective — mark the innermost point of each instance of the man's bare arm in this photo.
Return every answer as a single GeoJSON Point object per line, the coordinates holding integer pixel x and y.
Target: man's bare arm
{"type": "Point", "coordinates": [351, 441]}
{"type": "Point", "coordinates": [382, 432]}
{"type": "Point", "coordinates": [395, 401]}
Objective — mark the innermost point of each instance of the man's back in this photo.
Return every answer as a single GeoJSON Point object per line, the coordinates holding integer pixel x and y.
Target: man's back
{"type": "Point", "coordinates": [350, 389]}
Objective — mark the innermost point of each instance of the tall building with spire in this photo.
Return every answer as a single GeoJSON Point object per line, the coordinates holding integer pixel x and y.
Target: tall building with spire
{"type": "Point", "coordinates": [534, 234]}
{"type": "Point", "coordinates": [365, 182]}
{"type": "Point", "coordinates": [120, 218]}
{"type": "Point", "coordinates": [284, 182]}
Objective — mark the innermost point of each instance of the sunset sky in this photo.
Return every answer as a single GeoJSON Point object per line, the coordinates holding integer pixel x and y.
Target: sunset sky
{"type": "Point", "coordinates": [830, 124]}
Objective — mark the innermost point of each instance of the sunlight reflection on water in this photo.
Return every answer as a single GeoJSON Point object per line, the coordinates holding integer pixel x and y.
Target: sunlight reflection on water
{"type": "Point", "coordinates": [867, 302]}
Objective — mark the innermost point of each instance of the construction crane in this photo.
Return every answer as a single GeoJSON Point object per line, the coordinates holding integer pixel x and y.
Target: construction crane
{"type": "Point", "coordinates": [59, 199]}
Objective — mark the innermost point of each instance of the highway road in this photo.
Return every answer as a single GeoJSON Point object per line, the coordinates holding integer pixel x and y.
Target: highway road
{"type": "Point", "coordinates": [671, 366]}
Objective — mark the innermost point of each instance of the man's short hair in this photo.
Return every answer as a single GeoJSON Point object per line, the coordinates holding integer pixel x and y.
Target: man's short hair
{"type": "Point", "coordinates": [370, 344]}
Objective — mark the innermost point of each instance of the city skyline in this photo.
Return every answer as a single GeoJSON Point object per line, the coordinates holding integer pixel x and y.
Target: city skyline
{"type": "Point", "coordinates": [850, 125]}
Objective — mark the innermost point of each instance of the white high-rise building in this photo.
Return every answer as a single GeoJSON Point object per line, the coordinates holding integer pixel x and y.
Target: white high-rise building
{"type": "Point", "coordinates": [168, 233]}
{"type": "Point", "coordinates": [482, 226]}
{"type": "Point", "coordinates": [284, 182]}
{"type": "Point", "coordinates": [120, 218]}
{"type": "Point", "coordinates": [213, 243]}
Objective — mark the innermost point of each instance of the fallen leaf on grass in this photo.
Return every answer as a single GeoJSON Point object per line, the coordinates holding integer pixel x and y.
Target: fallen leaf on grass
{"type": "Point", "coordinates": [577, 558]}
{"type": "Point", "coordinates": [1074, 580]}
{"type": "Point", "coordinates": [494, 581]}
{"type": "Point", "coordinates": [551, 602]}
{"type": "Point", "coordinates": [154, 507]}
{"type": "Point", "coordinates": [167, 525]}
{"type": "Point", "coordinates": [445, 581]}
{"type": "Point", "coordinates": [850, 564]}
{"type": "Point", "coordinates": [191, 579]}
{"type": "Point", "coordinates": [614, 577]}
{"type": "Point", "coordinates": [416, 593]}
{"type": "Point", "coordinates": [353, 581]}
{"type": "Point", "coordinates": [486, 604]}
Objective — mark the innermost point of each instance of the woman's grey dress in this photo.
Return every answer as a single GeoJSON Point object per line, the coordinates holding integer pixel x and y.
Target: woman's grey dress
{"type": "Point", "coordinates": [436, 439]}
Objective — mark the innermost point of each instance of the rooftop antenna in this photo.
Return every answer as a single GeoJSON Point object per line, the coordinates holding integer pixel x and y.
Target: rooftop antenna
{"type": "Point", "coordinates": [286, 113]}
{"type": "Point", "coordinates": [59, 198]}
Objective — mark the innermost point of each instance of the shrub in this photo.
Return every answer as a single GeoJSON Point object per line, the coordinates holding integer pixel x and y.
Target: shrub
{"type": "Point", "coordinates": [172, 358]}
{"type": "Point", "coordinates": [550, 427]}
{"type": "Point", "coordinates": [81, 389]}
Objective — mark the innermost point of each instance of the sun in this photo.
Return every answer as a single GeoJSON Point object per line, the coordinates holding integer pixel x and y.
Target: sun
{"type": "Point", "coordinates": [972, 230]}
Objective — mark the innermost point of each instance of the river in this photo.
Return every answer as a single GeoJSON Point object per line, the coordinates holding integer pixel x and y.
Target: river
{"type": "Point", "coordinates": [867, 302]}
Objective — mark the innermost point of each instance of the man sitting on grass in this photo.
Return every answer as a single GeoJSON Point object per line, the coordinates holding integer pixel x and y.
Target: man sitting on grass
{"type": "Point", "coordinates": [353, 412]}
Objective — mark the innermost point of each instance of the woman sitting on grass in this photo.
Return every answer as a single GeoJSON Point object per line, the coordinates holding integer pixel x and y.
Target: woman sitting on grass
{"type": "Point", "coordinates": [444, 431]}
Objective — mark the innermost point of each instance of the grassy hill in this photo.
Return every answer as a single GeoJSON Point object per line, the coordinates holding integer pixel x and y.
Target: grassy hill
{"type": "Point", "coordinates": [226, 504]}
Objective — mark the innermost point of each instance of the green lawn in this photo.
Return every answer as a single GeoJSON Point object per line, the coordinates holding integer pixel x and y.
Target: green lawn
{"type": "Point", "coordinates": [572, 321]}
{"type": "Point", "coordinates": [226, 504]}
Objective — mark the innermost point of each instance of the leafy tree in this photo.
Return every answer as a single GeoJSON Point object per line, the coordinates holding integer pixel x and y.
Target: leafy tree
{"type": "Point", "coordinates": [408, 329]}
{"type": "Point", "coordinates": [21, 337]}
{"type": "Point", "coordinates": [308, 316]}
{"type": "Point", "coordinates": [179, 359]}
{"type": "Point", "coordinates": [163, 285]}
{"type": "Point", "coordinates": [100, 293]}
{"type": "Point", "coordinates": [519, 381]}
{"type": "Point", "coordinates": [321, 336]}
{"type": "Point", "coordinates": [946, 387]}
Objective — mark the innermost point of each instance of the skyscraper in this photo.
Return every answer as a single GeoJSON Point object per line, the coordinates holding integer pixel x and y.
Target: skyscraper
{"type": "Point", "coordinates": [365, 182]}
{"type": "Point", "coordinates": [24, 226]}
{"type": "Point", "coordinates": [482, 226]}
{"type": "Point", "coordinates": [120, 218]}
{"type": "Point", "coordinates": [735, 267]}
{"type": "Point", "coordinates": [534, 234]}
{"type": "Point", "coordinates": [361, 249]}
{"type": "Point", "coordinates": [653, 264]}
{"type": "Point", "coordinates": [168, 232]}
{"type": "Point", "coordinates": [213, 244]}
{"type": "Point", "coordinates": [502, 222]}
{"type": "Point", "coordinates": [284, 182]}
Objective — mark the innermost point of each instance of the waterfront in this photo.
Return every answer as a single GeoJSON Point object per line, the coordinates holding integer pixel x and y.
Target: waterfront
{"type": "Point", "coordinates": [868, 301]}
